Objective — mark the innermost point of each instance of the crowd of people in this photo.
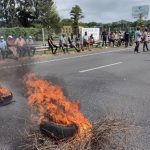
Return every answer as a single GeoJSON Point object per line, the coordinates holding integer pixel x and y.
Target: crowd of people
{"type": "Point", "coordinates": [141, 37]}
{"type": "Point", "coordinates": [77, 42]}
{"type": "Point", "coordinates": [111, 39]}
{"type": "Point", "coordinates": [18, 47]}
{"type": "Point", "coordinates": [126, 38]}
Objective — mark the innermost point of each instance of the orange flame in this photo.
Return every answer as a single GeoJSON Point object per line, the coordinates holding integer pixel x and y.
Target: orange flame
{"type": "Point", "coordinates": [51, 104]}
{"type": "Point", "coordinates": [4, 92]}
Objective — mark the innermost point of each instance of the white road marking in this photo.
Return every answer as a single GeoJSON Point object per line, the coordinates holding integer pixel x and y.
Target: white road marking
{"type": "Point", "coordinates": [100, 67]}
{"type": "Point", "coordinates": [61, 59]}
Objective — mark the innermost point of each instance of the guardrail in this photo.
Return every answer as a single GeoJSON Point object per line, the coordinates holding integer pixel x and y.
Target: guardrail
{"type": "Point", "coordinates": [45, 48]}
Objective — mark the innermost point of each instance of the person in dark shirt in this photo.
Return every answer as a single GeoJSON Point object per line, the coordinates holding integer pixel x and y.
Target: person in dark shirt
{"type": "Point", "coordinates": [51, 44]}
{"type": "Point", "coordinates": [126, 38]}
{"type": "Point", "coordinates": [104, 38]}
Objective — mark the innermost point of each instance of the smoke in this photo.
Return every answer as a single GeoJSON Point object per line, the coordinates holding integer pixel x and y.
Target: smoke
{"type": "Point", "coordinates": [14, 77]}
{"type": "Point", "coordinates": [57, 81]}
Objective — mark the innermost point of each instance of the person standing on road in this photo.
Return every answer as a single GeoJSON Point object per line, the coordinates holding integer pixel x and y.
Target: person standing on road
{"type": "Point", "coordinates": [145, 40]}
{"type": "Point", "coordinates": [137, 39]}
{"type": "Point", "coordinates": [104, 38]}
{"type": "Point", "coordinates": [112, 39]}
{"type": "Point", "coordinates": [126, 38]}
{"type": "Point", "coordinates": [121, 38]}
{"type": "Point", "coordinates": [131, 37]}
{"type": "Point", "coordinates": [3, 47]}
{"type": "Point", "coordinates": [116, 39]}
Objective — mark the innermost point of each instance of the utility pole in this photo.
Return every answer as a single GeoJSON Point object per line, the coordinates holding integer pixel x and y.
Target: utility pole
{"type": "Point", "coordinates": [43, 35]}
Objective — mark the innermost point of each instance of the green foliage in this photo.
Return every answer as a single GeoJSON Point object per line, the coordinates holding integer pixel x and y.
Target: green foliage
{"type": "Point", "coordinates": [28, 13]}
{"type": "Point", "coordinates": [76, 14]}
{"type": "Point", "coordinates": [92, 24]}
{"type": "Point", "coordinates": [25, 32]}
{"type": "Point", "coordinates": [66, 22]}
{"type": "Point", "coordinates": [49, 17]}
{"type": "Point", "coordinates": [8, 12]}
{"type": "Point", "coordinates": [38, 25]}
{"type": "Point", "coordinates": [147, 23]}
{"type": "Point", "coordinates": [140, 23]}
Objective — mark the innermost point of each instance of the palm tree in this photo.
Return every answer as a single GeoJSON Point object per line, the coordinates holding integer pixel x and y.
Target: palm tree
{"type": "Point", "coordinates": [76, 14]}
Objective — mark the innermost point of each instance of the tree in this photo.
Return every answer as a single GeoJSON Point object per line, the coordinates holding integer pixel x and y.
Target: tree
{"type": "Point", "coordinates": [8, 12]}
{"type": "Point", "coordinates": [92, 24]}
{"type": "Point", "coordinates": [47, 14]}
{"type": "Point", "coordinates": [147, 23]}
{"type": "Point", "coordinates": [66, 22]}
{"type": "Point", "coordinates": [140, 21]}
{"type": "Point", "coordinates": [76, 14]}
{"type": "Point", "coordinates": [26, 13]}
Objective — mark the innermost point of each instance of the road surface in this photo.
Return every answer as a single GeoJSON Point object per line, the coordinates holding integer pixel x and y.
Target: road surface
{"type": "Point", "coordinates": [114, 81]}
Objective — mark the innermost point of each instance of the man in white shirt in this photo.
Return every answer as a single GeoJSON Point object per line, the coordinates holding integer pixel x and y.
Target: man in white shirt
{"type": "Point", "coordinates": [145, 40]}
{"type": "Point", "coordinates": [63, 43]}
{"type": "Point", "coordinates": [137, 39]}
{"type": "Point", "coordinates": [86, 41]}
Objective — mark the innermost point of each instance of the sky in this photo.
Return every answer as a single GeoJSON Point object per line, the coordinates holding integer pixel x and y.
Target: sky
{"type": "Point", "coordinates": [104, 11]}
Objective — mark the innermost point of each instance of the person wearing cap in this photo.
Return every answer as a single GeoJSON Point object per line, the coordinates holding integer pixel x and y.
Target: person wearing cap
{"type": "Point", "coordinates": [3, 47]}
{"type": "Point", "coordinates": [20, 44]}
{"type": "Point", "coordinates": [11, 46]}
{"type": "Point", "coordinates": [30, 47]}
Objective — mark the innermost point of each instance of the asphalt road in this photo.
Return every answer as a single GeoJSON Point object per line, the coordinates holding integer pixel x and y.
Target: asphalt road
{"type": "Point", "coordinates": [113, 81]}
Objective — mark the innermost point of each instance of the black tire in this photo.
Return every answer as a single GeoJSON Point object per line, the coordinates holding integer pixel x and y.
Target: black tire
{"type": "Point", "coordinates": [58, 131]}
{"type": "Point", "coordinates": [6, 100]}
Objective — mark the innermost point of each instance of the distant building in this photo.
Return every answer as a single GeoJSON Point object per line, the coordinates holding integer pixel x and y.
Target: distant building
{"type": "Point", "coordinates": [66, 30]}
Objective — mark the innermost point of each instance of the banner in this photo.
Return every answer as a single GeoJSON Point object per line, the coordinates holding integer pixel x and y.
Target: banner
{"type": "Point", "coordinates": [94, 31]}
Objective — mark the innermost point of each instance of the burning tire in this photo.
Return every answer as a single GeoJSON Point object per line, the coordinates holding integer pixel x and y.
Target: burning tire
{"type": "Point", "coordinates": [6, 97]}
{"type": "Point", "coordinates": [58, 131]}
{"type": "Point", "coordinates": [53, 106]}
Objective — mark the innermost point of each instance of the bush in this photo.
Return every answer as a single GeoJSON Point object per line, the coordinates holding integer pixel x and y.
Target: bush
{"type": "Point", "coordinates": [16, 31]}
{"type": "Point", "coordinates": [36, 33]}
